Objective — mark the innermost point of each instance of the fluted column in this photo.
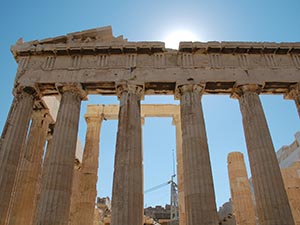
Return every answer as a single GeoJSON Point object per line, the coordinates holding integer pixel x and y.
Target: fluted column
{"type": "Point", "coordinates": [200, 205]}
{"type": "Point", "coordinates": [85, 208]}
{"type": "Point", "coordinates": [271, 198]}
{"type": "Point", "coordinates": [55, 195]}
{"type": "Point", "coordinates": [75, 196]}
{"type": "Point", "coordinates": [243, 206]}
{"type": "Point", "coordinates": [45, 164]}
{"type": "Point", "coordinates": [127, 198]}
{"type": "Point", "coordinates": [180, 176]}
{"type": "Point", "coordinates": [12, 144]}
{"type": "Point", "coordinates": [8, 121]}
{"type": "Point", "coordinates": [294, 94]}
{"type": "Point", "coordinates": [24, 201]}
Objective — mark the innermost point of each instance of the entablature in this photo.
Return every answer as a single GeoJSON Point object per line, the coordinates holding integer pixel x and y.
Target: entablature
{"type": "Point", "coordinates": [98, 60]}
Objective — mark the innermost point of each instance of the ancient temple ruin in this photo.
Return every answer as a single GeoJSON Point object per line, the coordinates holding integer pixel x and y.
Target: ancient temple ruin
{"type": "Point", "coordinates": [75, 65]}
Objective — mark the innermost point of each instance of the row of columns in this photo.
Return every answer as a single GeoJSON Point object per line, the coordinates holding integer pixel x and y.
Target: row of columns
{"type": "Point", "coordinates": [127, 202]}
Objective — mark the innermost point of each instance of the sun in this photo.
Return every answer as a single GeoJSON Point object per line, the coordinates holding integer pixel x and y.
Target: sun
{"type": "Point", "coordinates": [172, 40]}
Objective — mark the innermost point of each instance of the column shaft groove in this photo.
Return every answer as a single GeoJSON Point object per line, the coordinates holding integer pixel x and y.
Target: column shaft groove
{"type": "Point", "coordinates": [200, 206]}
{"type": "Point", "coordinates": [55, 195]}
{"type": "Point", "coordinates": [271, 198]}
{"type": "Point", "coordinates": [24, 202]}
{"type": "Point", "coordinates": [11, 148]}
{"type": "Point", "coordinates": [127, 199]}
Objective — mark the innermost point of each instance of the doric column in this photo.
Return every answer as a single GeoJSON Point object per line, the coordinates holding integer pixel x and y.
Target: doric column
{"type": "Point", "coordinates": [12, 144]}
{"type": "Point", "coordinates": [294, 94]}
{"type": "Point", "coordinates": [180, 176]}
{"type": "Point", "coordinates": [243, 206]}
{"type": "Point", "coordinates": [200, 205]}
{"type": "Point", "coordinates": [85, 206]}
{"type": "Point", "coordinates": [54, 203]}
{"type": "Point", "coordinates": [45, 164]}
{"type": "Point", "coordinates": [24, 201]}
{"type": "Point", "coordinates": [127, 197]}
{"type": "Point", "coordinates": [271, 198]}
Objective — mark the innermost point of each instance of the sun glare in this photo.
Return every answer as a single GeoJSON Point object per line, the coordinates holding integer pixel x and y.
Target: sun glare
{"type": "Point", "coordinates": [172, 40]}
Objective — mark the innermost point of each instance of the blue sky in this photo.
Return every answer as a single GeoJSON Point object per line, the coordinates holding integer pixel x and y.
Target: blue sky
{"type": "Point", "coordinates": [215, 20]}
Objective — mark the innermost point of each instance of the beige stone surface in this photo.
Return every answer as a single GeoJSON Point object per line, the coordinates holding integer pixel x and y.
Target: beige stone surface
{"type": "Point", "coordinates": [11, 148]}
{"type": "Point", "coordinates": [54, 202]}
{"type": "Point", "coordinates": [291, 178]}
{"type": "Point", "coordinates": [111, 112]}
{"type": "Point", "coordinates": [271, 198]}
{"type": "Point", "coordinates": [128, 193]}
{"type": "Point", "coordinates": [52, 103]}
{"type": "Point", "coordinates": [85, 206]}
{"type": "Point", "coordinates": [243, 206]}
{"type": "Point", "coordinates": [200, 205]}
{"type": "Point", "coordinates": [24, 201]}
{"type": "Point", "coordinates": [106, 60]}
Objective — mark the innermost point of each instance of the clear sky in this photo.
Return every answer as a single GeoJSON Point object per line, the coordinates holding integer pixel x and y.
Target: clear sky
{"type": "Point", "coordinates": [215, 20]}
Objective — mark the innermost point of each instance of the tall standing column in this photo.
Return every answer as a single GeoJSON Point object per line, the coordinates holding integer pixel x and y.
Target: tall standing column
{"type": "Point", "coordinates": [24, 201]}
{"type": "Point", "coordinates": [54, 203]}
{"type": "Point", "coordinates": [11, 147]}
{"type": "Point", "coordinates": [180, 173]}
{"type": "Point", "coordinates": [294, 94]}
{"type": "Point", "coordinates": [85, 207]}
{"type": "Point", "coordinates": [45, 164]}
{"type": "Point", "coordinates": [200, 205]}
{"type": "Point", "coordinates": [127, 198]}
{"type": "Point", "coordinates": [243, 206]}
{"type": "Point", "coordinates": [271, 199]}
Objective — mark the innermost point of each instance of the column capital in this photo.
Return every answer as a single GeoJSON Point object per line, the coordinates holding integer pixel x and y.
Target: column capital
{"type": "Point", "coordinates": [240, 90]}
{"type": "Point", "coordinates": [33, 90]}
{"type": "Point", "coordinates": [130, 88]}
{"type": "Point", "coordinates": [90, 119]}
{"type": "Point", "coordinates": [183, 88]}
{"type": "Point", "coordinates": [50, 131]}
{"type": "Point", "coordinates": [94, 114]}
{"type": "Point", "coordinates": [293, 92]}
{"type": "Point", "coordinates": [42, 113]}
{"type": "Point", "coordinates": [75, 88]}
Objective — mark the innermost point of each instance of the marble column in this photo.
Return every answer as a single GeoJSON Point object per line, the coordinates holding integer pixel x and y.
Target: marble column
{"type": "Point", "coordinates": [127, 197]}
{"type": "Point", "coordinates": [43, 169]}
{"type": "Point", "coordinates": [24, 201]}
{"type": "Point", "coordinates": [88, 175]}
{"type": "Point", "coordinates": [200, 205]}
{"type": "Point", "coordinates": [177, 123]}
{"type": "Point", "coordinates": [12, 145]}
{"type": "Point", "coordinates": [243, 206]}
{"type": "Point", "coordinates": [54, 203]}
{"type": "Point", "coordinates": [294, 94]}
{"type": "Point", "coordinates": [271, 198]}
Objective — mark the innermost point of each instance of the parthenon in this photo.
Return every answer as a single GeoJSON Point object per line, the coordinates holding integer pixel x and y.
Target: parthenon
{"type": "Point", "coordinates": [73, 66]}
